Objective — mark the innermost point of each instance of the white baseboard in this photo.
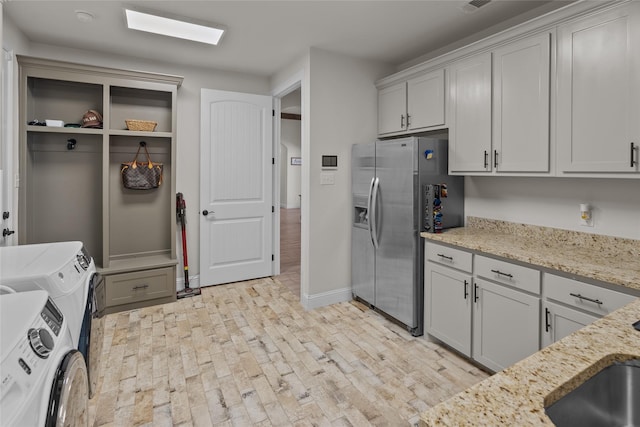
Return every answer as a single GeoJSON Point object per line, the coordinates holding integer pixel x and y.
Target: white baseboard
{"type": "Point", "coordinates": [194, 281]}
{"type": "Point", "coordinates": [310, 302]}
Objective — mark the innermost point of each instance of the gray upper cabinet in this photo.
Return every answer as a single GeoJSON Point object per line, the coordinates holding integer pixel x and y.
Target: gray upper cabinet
{"type": "Point", "coordinates": [521, 73]}
{"type": "Point", "coordinates": [599, 92]}
{"type": "Point", "coordinates": [413, 105]}
{"type": "Point", "coordinates": [70, 177]}
{"type": "Point", "coordinates": [469, 113]}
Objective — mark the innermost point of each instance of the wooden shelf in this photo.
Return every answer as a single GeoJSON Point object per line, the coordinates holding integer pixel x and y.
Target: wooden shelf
{"type": "Point", "coordinates": [51, 129]}
{"type": "Point", "coordinates": [136, 263]}
{"type": "Point", "coordinates": [124, 132]}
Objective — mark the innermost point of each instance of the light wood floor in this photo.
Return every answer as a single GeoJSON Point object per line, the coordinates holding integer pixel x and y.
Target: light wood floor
{"type": "Point", "coordinates": [248, 354]}
{"type": "Point", "coordinates": [290, 250]}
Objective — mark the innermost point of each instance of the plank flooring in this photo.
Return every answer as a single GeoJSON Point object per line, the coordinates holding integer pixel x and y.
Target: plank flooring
{"type": "Point", "coordinates": [290, 250]}
{"type": "Point", "coordinates": [247, 354]}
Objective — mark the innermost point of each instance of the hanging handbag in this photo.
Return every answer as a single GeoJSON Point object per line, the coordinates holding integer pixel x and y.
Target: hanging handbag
{"type": "Point", "coordinates": [141, 175]}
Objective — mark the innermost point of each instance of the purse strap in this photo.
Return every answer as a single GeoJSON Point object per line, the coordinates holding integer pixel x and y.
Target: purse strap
{"type": "Point", "coordinates": [134, 163]}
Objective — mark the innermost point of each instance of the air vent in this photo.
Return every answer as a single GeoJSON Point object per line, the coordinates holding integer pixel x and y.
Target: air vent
{"type": "Point", "coordinates": [474, 5]}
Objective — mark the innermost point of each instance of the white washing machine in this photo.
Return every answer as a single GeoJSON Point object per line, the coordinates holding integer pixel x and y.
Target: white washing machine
{"type": "Point", "coordinates": [43, 377]}
{"type": "Point", "coordinates": [68, 273]}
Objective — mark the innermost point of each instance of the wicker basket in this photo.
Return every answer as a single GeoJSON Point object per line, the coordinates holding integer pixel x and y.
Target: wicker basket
{"type": "Point", "coordinates": [141, 125]}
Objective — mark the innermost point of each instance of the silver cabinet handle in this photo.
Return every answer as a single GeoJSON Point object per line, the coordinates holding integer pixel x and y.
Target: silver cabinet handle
{"type": "Point", "coordinates": [500, 273]}
{"type": "Point", "coordinates": [145, 286]}
{"type": "Point", "coordinates": [580, 297]}
{"type": "Point", "coordinates": [402, 121]}
{"type": "Point", "coordinates": [408, 120]}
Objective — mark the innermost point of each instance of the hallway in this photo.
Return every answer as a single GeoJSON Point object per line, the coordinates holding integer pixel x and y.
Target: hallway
{"type": "Point", "coordinates": [290, 250]}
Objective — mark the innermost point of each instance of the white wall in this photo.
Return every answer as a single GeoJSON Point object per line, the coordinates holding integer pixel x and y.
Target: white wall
{"type": "Point", "coordinates": [188, 157]}
{"type": "Point", "coordinates": [343, 111]}
{"type": "Point", "coordinates": [554, 202]}
{"type": "Point", "coordinates": [290, 133]}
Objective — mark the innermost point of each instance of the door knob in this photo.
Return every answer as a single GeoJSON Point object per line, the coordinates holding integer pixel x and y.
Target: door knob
{"type": "Point", "coordinates": [206, 212]}
{"type": "Point", "coordinates": [6, 232]}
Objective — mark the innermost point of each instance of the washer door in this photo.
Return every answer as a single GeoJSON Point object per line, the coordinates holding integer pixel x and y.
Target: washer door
{"type": "Point", "coordinates": [69, 398]}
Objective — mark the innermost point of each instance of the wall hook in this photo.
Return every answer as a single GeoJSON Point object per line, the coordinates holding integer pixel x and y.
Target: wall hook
{"type": "Point", "coordinates": [71, 144]}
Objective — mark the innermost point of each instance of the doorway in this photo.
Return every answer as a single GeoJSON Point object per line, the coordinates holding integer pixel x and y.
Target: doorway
{"type": "Point", "coordinates": [290, 190]}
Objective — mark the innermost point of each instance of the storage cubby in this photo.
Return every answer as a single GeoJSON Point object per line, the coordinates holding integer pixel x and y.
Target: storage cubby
{"type": "Point", "coordinates": [70, 182]}
{"type": "Point", "coordinates": [138, 219]}
{"type": "Point", "coordinates": [61, 99]}
{"type": "Point", "coordinates": [140, 104]}
{"type": "Point", "coordinates": [64, 190]}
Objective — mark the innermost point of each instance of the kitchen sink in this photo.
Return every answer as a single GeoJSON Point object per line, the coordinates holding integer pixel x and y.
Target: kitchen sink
{"type": "Point", "coordinates": [610, 398]}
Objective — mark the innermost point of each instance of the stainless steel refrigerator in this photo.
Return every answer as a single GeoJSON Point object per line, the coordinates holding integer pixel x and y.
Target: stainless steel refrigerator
{"type": "Point", "coordinates": [400, 187]}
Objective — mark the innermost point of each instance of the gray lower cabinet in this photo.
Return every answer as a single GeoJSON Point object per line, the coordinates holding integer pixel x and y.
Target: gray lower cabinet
{"type": "Point", "coordinates": [448, 306]}
{"type": "Point", "coordinates": [499, 312]}
{"type": "Point", "coordinates": [560, 321]}
{"type": "Point", "coordinates": [505, 325]}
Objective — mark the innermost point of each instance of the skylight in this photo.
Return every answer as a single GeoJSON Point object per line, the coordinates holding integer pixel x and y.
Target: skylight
{"type": "Point", "coordinates": [172, 27]}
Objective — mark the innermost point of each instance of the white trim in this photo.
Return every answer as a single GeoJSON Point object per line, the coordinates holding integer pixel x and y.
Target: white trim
{"type": "Point", "coordinates": [194, 281]}
{"type": "Point", "coordinates": [8, 147]}
{"type": "Point", "coordinates": [289, 85]}
{"type": "Point", "coordinates": [310, 302]}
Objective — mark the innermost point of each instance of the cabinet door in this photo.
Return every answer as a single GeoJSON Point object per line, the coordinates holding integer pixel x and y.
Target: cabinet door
{"type": "Point", "coordinates": [559, 321]}
{"type": "Point", "coordinates": [392, 109]}
{"type": "Point", "coordinates": [506, 325]}
{"type": "Point", "coordinates": [469, 114]}
{"type": "Point", "coordinates": [448, 306]}
{"type": "Point", "coordinates": [425, 100]}
{"type": "Point", "coordinates": [521, 105]}
{"type": "Point", "coordinates": [599, 92]}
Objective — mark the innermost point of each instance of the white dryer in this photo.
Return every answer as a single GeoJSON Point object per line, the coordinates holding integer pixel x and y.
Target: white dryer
{"type": "Point", "coordinates": [43, 377]}
{"type": "Point", "coordinates": [68, 273]}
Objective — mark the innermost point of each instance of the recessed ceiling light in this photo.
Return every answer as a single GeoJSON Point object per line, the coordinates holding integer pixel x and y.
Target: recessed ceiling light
{"type": "Point", "coordinates": [84, 16]}
{"type": "Point", "coordinates": [172, 27]}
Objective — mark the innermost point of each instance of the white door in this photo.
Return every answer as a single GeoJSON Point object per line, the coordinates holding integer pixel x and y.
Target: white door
{"type": "Point", "coordinates": [236, 197]}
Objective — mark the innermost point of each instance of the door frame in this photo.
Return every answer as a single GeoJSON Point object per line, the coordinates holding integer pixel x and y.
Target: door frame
{"type": "Point", "coordinates": [294, 82]}
{"type": "Point", "coordinates": [8, 147]}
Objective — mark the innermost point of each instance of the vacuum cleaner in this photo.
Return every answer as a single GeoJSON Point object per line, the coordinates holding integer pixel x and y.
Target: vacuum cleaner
{"type": "Point", "coordinates": [181, 208]}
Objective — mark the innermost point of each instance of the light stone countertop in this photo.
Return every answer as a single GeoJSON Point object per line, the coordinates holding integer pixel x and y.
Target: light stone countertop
{"type": "Point", "coordinates": [607, 259]}
{"type": "Point", "coordinates": [518, 394]}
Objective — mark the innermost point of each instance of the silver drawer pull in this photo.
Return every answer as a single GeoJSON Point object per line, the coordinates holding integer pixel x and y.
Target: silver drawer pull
{"type": "Point", "coordinates": [595, 301]}
{"type": "Point", "coordinates": [500, 273]}
{"type": "Point", "coordinates": [145, 286]}
{"type": "Point", "coordinates": [450, 258]}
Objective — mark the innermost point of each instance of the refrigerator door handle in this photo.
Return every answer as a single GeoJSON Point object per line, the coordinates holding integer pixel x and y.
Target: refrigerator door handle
{"type": "Point", "coordinates": [373, 216]}
{"type": "Point", "coordinates": [369, 211]}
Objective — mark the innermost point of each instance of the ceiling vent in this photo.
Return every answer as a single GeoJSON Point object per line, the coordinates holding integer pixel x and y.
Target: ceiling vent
{"type": "Point", "coordinates": [474, 5]}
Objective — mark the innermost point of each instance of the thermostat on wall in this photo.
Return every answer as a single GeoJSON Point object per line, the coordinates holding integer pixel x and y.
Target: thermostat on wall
{"type": "Point", "coordinates": [329, 162]}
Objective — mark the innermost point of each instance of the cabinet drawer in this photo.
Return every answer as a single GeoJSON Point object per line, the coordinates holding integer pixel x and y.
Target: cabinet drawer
{"type": "Point", "coordinates": [514, 275]}
{"type": "Point", "coordinates": [139, 286]}
{"type": "Point", "coordinates": [582, 295]}
{"type": "Point", "coordinates": [450, 257]}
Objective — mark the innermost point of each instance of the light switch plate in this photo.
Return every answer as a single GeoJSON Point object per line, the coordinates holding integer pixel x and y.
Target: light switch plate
{"type": "Point", "coordinates": [327, 178]}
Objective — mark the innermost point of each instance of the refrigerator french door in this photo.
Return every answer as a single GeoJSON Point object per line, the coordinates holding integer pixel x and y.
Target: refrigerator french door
{"type": "Point", "coordinates": [389, 183]}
